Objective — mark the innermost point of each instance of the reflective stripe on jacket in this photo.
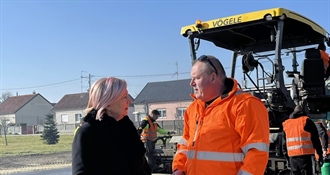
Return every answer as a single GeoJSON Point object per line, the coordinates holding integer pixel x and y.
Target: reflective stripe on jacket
{"type": "Point", "coordinates": [225, 137]}
{"type": "Point", "coordinates": [298, 140]}
{"type": "Point", "coordinates": [149, 133]}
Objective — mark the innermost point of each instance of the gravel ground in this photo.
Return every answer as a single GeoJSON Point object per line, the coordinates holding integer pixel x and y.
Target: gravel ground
{"type": "Point", "coordinates": [18, 164]}
{"type": "Point", "coordinates": [14, 164]}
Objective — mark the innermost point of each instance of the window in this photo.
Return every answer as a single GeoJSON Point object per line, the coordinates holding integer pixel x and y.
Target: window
{"type": "Point", "coordinates": [64, 118]}
{"type": "Point", "coordinates": [77, 118]}
{"type": "Point", "coordinates": [180, 113]}
{"type": "Point", "coordinates": [162, 113]}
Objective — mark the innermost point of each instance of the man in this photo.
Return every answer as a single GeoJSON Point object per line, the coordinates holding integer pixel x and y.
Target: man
{"type": "Point", "coordinates": [325, 58]}
{"type": "Point", "coordinates": [148, 130]}
{"type": "Point", "coordinates": [300, 140]}
{"type": "Point", "coordinates": [226, 130]}
{"type": "Point", "coordinates": [323, 135]}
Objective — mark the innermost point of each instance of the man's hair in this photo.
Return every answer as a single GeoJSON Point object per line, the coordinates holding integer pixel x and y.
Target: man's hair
{"type": "Point", "coordinates": [155, 112]}
{"type": "Point", "coordinates": [321, 47]}
{"type": "Point", "coordinates": [217, 64]}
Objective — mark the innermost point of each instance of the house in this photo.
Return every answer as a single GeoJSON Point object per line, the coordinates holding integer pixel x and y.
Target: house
{"type": "Point", "coordinates": [26, 111]}
{"type": "Point", "coordinates": [70, 109]}
{"type": "Point", "coordinates": [170, 98]}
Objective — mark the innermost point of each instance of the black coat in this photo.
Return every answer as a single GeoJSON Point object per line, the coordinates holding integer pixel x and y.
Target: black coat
{"type": "Point", "coordinates": [108, 147]}
{"type": "Point", "coordinates": [323, 135]}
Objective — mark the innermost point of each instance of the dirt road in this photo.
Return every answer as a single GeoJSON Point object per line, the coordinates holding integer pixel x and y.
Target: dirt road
{"type": "Point", "coordinates": [31, 163]}
{"type": "Point", "coordinates": [15, 164]}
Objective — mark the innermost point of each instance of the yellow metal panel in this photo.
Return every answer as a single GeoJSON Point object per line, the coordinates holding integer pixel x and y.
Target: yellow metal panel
{"type": "Point", "coordinates": [251, 17]}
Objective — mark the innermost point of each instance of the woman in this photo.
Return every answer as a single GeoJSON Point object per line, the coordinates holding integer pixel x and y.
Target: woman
{"type": "Point", "coordinates": [108, 142]}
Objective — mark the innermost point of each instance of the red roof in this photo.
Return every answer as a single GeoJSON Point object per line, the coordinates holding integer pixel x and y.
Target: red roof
{"type": "Point", "coordinates": [14, 103]}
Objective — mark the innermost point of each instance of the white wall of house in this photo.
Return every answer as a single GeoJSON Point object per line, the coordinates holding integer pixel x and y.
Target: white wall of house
{"type": "Point", "coordinates": [34, 112]}
{"type": "Point", "coordinates": [130, 113]}
{"type": "Point", "coordinates": [68, 117]}
{"type": "Point", "coordinates": [140, 112]}
{"type": "Point", "coordinates": [9, 117]}
{"type": "Point", "coordinates": [170, 107]}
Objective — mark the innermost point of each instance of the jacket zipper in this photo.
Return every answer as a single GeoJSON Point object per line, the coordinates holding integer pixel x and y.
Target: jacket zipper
{"type": "Point", "coordinates": [195, 135]}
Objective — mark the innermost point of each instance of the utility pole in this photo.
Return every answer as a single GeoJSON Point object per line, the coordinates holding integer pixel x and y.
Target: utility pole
{"type": "Point", "coordinates": [177, 70]}
{"type": "Point", "coordinates": [89, 80]}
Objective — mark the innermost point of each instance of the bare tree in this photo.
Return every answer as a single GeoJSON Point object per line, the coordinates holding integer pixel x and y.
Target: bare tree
{"type": "Point", "coordinates": [3, 125]}
{"type": "Point", "coordinates": [5, 96]}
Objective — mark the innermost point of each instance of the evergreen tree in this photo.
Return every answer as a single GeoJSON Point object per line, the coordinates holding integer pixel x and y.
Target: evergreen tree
{"type": "Point", "coordinates": [50, 134]}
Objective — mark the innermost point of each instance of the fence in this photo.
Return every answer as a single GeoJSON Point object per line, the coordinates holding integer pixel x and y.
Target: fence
{"type": "Point", "coordinates": [172, 125]}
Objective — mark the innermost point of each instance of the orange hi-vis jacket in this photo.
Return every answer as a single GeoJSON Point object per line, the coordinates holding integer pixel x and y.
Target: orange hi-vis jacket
{"type": "Point", "coordinates": [151, 132]}
{"type": "Point", "coordinates": [325, 58]}
{"type": "Point", "coordinates": [229, 136]}
{"type": "Point", "coordinates": [298, 140]}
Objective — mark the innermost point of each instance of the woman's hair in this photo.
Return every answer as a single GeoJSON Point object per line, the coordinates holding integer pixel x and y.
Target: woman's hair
{"type": "Point", "coordinates": [105, 92]}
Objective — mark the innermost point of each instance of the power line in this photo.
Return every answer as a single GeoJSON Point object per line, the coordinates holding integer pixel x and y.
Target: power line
{"type": "Point", "coordinates": [52, 84]}
{"type": "Point", "coordinates": [41, 85]}
{"type": "Point", "coordinates": [134, 76]}
{"type": "Point", "coordinates": [122, 76]}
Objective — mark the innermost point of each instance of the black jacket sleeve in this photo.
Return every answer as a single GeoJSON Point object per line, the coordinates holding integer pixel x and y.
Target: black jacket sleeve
{"type": "Point", "coordinates": [323, 135]}
{"type": "Point", "coordinates": [143, 124]}
{"type": "Point", "coordinates": [284, 148]}
{"type": "Point", "coordinates": [311, 128]}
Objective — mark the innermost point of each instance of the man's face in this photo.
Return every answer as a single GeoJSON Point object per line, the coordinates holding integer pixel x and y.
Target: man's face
{"type": "Point", "coordinates": [155, 117]}
{"type": "Point", "coordinates": [202, 82]}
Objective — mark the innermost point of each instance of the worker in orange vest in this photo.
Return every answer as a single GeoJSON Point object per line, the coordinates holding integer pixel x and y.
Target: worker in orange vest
{"type": "Point", "coordinates": [325, 57]}
{"type": "Point", "coordinates": [148, 130]}
{"type": "Point", "coordinates": [300, 140]}
{"type": "Point", "coordinates": [226, 130]}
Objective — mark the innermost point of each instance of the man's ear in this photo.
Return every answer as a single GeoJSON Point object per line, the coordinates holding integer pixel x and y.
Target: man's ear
{"type": "Point", "coordinates": [213, 77]}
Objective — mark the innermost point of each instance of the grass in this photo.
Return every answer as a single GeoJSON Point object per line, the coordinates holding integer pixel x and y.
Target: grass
{"type": "Point", "coordinates": [32, 144]}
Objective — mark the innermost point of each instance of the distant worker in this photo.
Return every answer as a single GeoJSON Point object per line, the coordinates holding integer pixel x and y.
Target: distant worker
{"type": "Point", "coordinates": [148, 130]}
{"type": "Point", "coordinates": [325, 141]}
{"type": "Point", "coordinates": [300, 140]}
{"type": "Point", "coordinates": [226, 130]}
{"type": "Point", "coordinates": [323, 135]}
{"type": "Point", "coordinates": [325, 58]}
{"type": "Point", "coordinates": [80, 124]}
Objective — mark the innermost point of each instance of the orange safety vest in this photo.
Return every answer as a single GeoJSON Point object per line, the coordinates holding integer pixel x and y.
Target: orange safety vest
{"type": "Point", "coordinates": [298, 141]}
{"type": "Point", "coordinates": [218, 138]}
{"type": "Point", "coordinates": [325, 58]}
{"type": "Point", "coordinates": [151, 132]}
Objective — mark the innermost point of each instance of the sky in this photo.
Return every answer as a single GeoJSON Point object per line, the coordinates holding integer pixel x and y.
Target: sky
{"type": "Point", "coordinates": [56, 47]}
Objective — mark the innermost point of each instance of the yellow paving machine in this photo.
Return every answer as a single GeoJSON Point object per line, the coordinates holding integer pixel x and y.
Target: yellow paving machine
{"type": "Point", "coordinates": [265, 37]}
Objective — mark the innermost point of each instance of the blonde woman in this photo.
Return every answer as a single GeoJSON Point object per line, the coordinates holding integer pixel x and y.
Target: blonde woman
{"type": "Point", "coordinates": [108, 142]}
